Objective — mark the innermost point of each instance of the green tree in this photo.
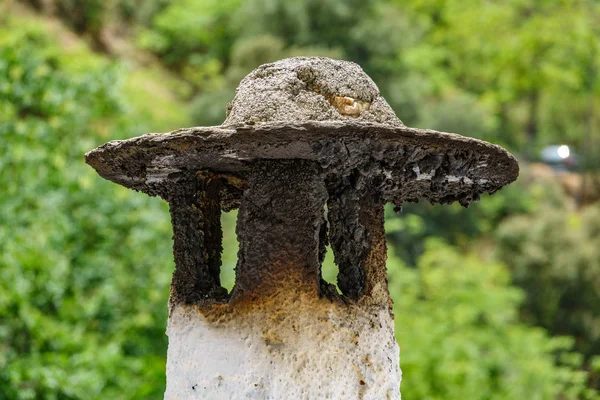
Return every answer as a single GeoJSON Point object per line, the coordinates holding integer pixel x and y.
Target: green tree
{"type": "Point", "coordinates": [194, 38]}
{"type": "Point", "coordinates": [82, 298]}
{"type": "Point", "coordinates": [522, 57]}
{"type": "Point", "coordinates": [457, 322]}
{"type": "Point", "coordinates": [555, 258]}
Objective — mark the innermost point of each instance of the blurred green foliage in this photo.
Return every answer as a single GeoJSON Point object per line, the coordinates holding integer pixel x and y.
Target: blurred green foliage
{"type": "Point", "coordinates": [554, 257]}
{"type": "Point", "coordinates": [461, 338]}
{"type": "Point", "coordinates": [85, 265]}
{"type": "Point", "coordinates": [454, 224]}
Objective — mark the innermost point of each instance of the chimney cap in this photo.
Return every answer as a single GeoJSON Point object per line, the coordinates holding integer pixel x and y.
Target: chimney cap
{"type": "Point", "coordinates": [317, 109]}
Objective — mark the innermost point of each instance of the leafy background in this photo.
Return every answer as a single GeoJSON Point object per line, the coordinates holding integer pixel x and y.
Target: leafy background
{"type": "Point", "coordinates": [500, 301]}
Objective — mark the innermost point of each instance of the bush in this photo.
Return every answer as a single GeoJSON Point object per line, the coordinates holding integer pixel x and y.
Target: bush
{"type": "Point", "coordinates": [193, 37]}
{"type": "Point", "coordinates": [555, 258]}
{"type": "Point", "coordinates": [457, 322]}
{"type": "Point", "coordinates": [83, 277]}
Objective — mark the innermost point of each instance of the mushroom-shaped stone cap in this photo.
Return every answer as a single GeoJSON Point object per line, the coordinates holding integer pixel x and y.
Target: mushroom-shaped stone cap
{"type": "Point", "coordinates": [317, 109]}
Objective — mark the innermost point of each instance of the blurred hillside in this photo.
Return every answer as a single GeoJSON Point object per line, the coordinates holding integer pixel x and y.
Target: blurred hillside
{"type": "Point", "coordinates": [498, 301]}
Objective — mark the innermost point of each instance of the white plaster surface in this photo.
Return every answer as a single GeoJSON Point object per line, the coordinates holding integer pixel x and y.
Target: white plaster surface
{"type": "Point", "coordinates": [296, 348]}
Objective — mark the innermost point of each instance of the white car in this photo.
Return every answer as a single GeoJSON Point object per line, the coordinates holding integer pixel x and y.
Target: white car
{"type": "Point", "coordinates": [560, 157]}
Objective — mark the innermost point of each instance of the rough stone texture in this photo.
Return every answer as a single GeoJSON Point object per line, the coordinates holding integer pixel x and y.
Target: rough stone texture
{"type": "Point", "coordinates": [357, 238]}
{"type": "Point", "coordinates": [300, 134]}
{"type": "Point", "coordinates": [410, 163]}
{"type": "Point", "coordinates": [308, 89]}
{"type": "Point", "coordinates": [197, 236]}
{"type": "Point", "coordinates": [283, 332]}
{"type": "Point", "coordinates": [278, 228]}
{"type": "Point", "coordinates": [314, 109]}
{"type": "Point", "coordinates": [288, 346]}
